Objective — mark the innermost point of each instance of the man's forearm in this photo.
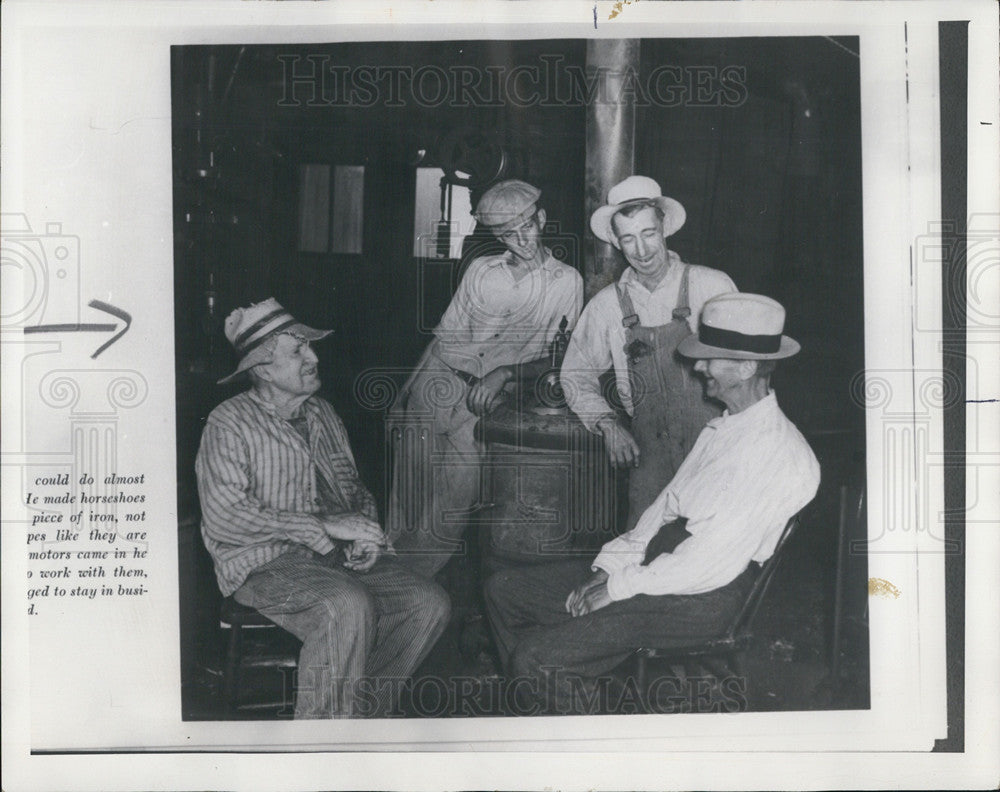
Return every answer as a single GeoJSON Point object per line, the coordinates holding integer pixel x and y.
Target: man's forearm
{"type": "Point", "coordinates": [237, 522]}
{"type": "Point", "coordinates": [364, 502]}
{"type": "Point", "coordinates": [583, 395]}
{"type": "Point", "coordinates": [532, 370]}
{"type": "Point", "coordinates": [606, 423]}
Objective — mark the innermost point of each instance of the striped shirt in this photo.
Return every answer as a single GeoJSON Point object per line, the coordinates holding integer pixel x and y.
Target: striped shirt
{"type": "Point", "coordinates": [263, 488]}
{"type": "Point", "coordinates": [747, 474]}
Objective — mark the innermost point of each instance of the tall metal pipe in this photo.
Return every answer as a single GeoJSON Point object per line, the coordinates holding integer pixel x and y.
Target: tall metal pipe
{"type": "Point", "coordinates": [610, 155]}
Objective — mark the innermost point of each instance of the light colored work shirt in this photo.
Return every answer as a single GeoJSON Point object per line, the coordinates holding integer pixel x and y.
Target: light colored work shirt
{"type": "Point", "coordinates": [599, 339]}
{"type": "Point", "coordinates": [496, 320]}
{"type": "Point", "coordinates": [259, 487]}
{"type": "Point", "coordinates": [747, 474]}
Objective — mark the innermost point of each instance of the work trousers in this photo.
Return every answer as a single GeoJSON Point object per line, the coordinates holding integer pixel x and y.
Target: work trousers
{"type": "Point", "coordinates": [436, 474]}
{"type": "Point", "coordinates": [354, 626]}
{"type": "Point", "coordinates": [539, 640]}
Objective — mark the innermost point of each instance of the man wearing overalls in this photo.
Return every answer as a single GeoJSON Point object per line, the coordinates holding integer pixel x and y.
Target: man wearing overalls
{"type": "Point", "coordinates": [635, 325]}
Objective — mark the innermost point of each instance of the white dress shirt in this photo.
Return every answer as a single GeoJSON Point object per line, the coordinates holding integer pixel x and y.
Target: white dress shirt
{"type": "Point", "coordinates": [599, 339]}
{"type": "Point", "coordinates": [495, 319]}
{"type": "Point", "coordinates": [747, 474]}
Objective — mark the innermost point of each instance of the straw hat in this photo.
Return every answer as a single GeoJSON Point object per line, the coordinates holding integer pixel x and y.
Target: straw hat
{"type": "Point", "coordinates": [248, 328]}
{"type": "Point", "coordinates": [740, 327]}
{"type": "Point", "coordinates": [636, 189]}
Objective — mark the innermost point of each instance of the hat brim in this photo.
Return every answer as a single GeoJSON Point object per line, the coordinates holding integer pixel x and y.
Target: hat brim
{"type": "Point", "coordinates": [513, 222]}
{"type": "Point", "coordinates": [674, 216]}
{"type": "Point", "coordinates": [691, 347]}
{"type": "Point", "coordinates": [259, 355]}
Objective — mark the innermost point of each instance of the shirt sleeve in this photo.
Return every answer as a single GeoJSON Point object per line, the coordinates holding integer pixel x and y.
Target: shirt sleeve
{"type": "Point", "coordinates": [230, 513]}
{"type": "Point", "coordinates": [752, 509]}
{"type": "Point", "coordinates": [363, 502]}
{"type": "Point", "coordinates": [572, 301]}
{"type": "Point", "coordinates": [454, 331]}
{"type": "Point", "coordinates": [629, 549]}
{"type": "Point", "coordinates": [587, 357]}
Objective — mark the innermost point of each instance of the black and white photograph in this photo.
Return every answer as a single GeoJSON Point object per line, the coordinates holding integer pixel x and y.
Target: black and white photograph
{"type": "Point", "coordinates": [580, 395]}
{"type": "Point", "coordinates": [493, 253]}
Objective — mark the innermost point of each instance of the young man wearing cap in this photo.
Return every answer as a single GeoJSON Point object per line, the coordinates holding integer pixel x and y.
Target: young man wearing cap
{"type": "Point", "coordinates": [635, 326]}
{"type": "Point", "coordinates": [294, 533]}
{"type": "Point", "coordinates": [498, 328]}
{"type": "Point", "coordinates": [686, 568]}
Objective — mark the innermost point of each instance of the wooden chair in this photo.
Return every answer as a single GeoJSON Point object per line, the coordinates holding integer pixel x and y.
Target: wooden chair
{"type": "Point", "coordinates": [240, 621]}
{"type": "Point", "coordinates": [731, 644]}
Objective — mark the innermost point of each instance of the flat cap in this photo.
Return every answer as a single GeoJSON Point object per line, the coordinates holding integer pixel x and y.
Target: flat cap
{"type": "Point", "coordinates": [506, 204]}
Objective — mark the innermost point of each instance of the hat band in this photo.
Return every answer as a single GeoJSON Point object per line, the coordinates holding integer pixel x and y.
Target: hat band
{"type": "Point", "coordinates": [510, 223]}
{"type": "Point", "coordinates": [270, 324]}
{"type": "Point", "coordinates": [738, 342]}
{"type": "Point", "coordinates": [630, 202]}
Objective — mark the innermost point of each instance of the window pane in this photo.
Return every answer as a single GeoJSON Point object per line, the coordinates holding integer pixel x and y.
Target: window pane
{"type": "Point", "coordinates": [348, 208]}
{"type": "Point", "coordinates": [427, 214]}
{"type": "Point", "coordinates": [314, 208]}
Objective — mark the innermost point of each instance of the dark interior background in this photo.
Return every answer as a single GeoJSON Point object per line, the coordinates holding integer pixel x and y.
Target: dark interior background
{"type": "Point", "coordinates": [772, 188]}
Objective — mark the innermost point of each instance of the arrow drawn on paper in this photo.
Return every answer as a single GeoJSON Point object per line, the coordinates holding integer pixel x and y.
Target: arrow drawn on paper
{"type": "Point", "coordinates": [87, 328]}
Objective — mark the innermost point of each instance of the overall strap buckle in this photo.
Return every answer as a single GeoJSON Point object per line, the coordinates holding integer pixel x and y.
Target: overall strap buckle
{"type": "Point", "coordinates": [683, 309]}
{"type": "Point", "coordinates": [629, 317]}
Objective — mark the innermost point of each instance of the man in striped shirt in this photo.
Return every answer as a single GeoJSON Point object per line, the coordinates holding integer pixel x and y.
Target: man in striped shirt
{"type": "Point", "coordinates": [687, 567]}
{"type": "Point", "coordinates": [294, 533]}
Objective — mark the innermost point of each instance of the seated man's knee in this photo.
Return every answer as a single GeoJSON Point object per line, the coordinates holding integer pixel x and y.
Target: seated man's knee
{"type": "Point", "coordinates": [434, 603]}
{"type": "Point", "coordinates": [352, 607]}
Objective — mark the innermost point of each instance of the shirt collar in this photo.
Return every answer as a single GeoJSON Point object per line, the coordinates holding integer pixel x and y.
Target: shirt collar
{"type": "Point", "coordinates": [270, 409]}
{"type": "Point", "coordinates": [630, 278]}
{"type": "Point", "coordinates": [755, 413]}
{"type": "Point", "coordinates": [549, 264]}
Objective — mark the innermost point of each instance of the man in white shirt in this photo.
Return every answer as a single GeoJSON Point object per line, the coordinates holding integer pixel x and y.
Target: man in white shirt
{"type": "Point", "coordinates": [498, 328]}
{"type": "Point", "coordinates": [635, 325]}
{"type": "Point", "coordinates": [686, 568]}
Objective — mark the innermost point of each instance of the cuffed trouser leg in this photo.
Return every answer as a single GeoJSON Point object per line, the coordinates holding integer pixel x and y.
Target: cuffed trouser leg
{"type": "Point", "coordinates": [412, 614]}
{"type": "Point", "coordinates": [352, 626]}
